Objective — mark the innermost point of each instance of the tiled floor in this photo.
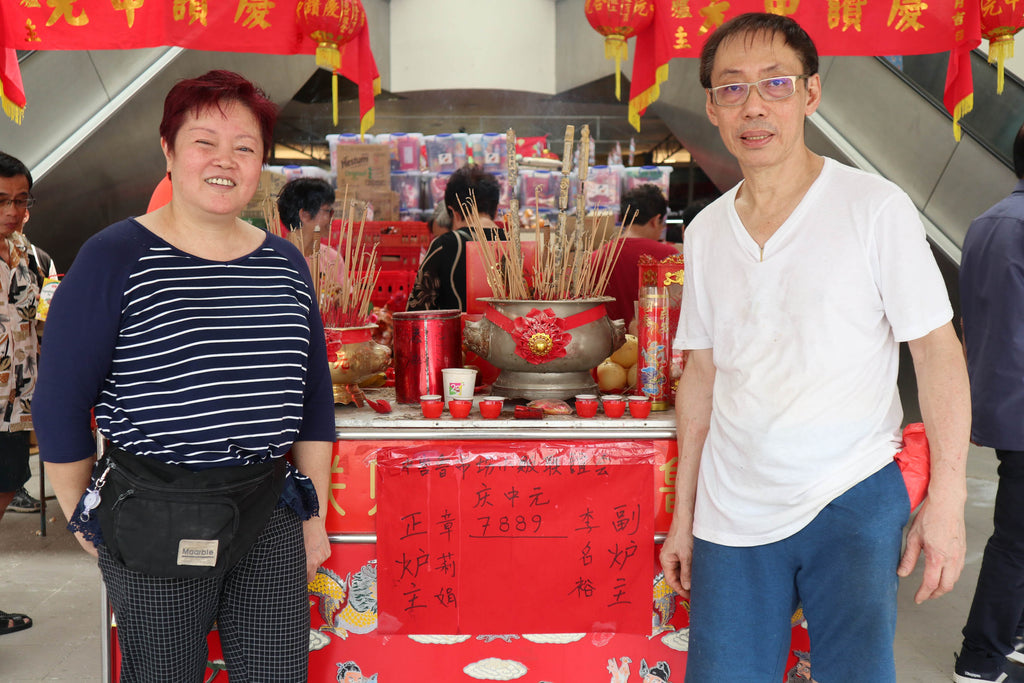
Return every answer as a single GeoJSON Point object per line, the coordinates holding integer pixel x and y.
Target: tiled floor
{"type": "Point", "coordinates": [52, 580]}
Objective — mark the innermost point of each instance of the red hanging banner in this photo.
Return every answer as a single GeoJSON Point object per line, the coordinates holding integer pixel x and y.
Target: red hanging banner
{"type": "Point", "coordinates": [254, 26]}
{"type": "Point", "coordinates": [838, 28]}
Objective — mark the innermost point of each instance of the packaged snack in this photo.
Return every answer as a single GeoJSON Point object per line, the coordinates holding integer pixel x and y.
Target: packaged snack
{"type": "Point", "coordinates": [635, 176]}
{"type": "Point", "coordinates": [405, 150]}
{"type": "Point", "coordinates": [436, 183]}
{"type": "Point", "coordinates": [603, 187]}
{"type": "Point", "coordinates": [446, 152]}
{"type": "Point", "coordinates": [493, 154]}
{"type": "Point", "coordinates": [539, 189]}
{"type": "Point", "coordinates": [407, 185]}
{"type": "Point", "coordinates": [45, 296]}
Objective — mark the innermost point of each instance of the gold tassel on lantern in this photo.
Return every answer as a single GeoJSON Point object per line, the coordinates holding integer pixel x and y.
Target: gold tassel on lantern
{"type": "Point", "coordinates": [615, 47]}
{"type": "Point", "coordinates": [618, 21]}
{"type": "Point", "coordinates": [1000, 48]}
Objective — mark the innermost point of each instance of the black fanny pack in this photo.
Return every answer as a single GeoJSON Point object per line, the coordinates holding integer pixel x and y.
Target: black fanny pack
{"type": "Point", "coordinates": [165, 520]}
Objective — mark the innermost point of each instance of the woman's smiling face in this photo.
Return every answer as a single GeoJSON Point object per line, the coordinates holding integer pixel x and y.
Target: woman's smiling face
{"type": "Point", "coordinates": [215, 160]}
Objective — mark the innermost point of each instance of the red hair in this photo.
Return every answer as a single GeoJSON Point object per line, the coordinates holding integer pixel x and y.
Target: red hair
{"type": "Point", "coordinates": [215, 89]}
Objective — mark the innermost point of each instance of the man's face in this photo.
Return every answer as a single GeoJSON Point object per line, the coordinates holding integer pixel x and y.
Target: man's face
{"type": "Point", "coordinates": [11, 216]}
{"type": "Point", "coordinates": [759, 133]}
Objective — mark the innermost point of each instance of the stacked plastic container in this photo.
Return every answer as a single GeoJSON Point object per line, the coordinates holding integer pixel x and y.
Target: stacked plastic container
{"type": "Point", "coordinates": [446, 152]}
{"type": "Point", "coordinates": [405, 150]}
{"type": "Point", "coordinates": [604, 187]}
{"type": "Point", "coordinates": [634, 176]}
{"type": "Point", "coordinates": [407, 185]}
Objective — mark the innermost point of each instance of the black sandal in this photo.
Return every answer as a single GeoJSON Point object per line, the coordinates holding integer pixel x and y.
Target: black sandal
{"type": "Point", "coordinates": [9, 623]}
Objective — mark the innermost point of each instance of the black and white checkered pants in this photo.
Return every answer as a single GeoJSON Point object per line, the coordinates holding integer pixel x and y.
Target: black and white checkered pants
{"type": "Point", "coordinates": [260, 607]}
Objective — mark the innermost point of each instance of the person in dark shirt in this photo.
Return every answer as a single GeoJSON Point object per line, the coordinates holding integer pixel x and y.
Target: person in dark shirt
{"type": "Point", "coordinates": [992, 305]}
{"type": "Point", "coordinates": [441, 279]}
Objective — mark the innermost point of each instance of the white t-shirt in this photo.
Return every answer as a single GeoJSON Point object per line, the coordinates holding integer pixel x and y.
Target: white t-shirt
{"type": "Point", "coordinates": [805, 346]}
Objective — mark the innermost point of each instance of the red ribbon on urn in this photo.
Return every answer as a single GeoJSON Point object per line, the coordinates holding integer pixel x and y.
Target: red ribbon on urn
{"type": "Point", "coordinates": [618, 21]}
{"type": "Point", "coordinates": [1000, 21]}
{"type": "Point", "coordinates": [542, 336]}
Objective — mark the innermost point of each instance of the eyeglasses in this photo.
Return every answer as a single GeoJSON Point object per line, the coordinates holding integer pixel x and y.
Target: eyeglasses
{"type": "Point", "coordinates": [771, 90]}
{"type": "Point", "coordinates": [20, 204]}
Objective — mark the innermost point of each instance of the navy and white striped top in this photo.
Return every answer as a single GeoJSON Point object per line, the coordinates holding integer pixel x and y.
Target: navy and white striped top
{"type": "Point", "coordinates": [193, 362]}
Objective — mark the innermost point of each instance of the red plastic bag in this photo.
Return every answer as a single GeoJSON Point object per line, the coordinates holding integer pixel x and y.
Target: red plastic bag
{"type": "Point", "coordinates": [915, 462]}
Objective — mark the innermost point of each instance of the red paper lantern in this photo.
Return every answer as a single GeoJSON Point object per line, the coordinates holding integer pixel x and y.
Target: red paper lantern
{"type": "Point", "coordinates": [618, 21]}
{"type": "Point", "coordinates": [1000, 21]}
{"type": "Point", "coordinates": [332, 24]}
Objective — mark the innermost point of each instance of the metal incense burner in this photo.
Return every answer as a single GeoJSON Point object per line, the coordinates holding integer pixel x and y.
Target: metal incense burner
{"type": "Point", "coordinates": [544, 349]}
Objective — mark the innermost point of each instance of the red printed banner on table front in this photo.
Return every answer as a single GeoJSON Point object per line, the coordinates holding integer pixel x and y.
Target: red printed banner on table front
{"type": "Point", "coordinates": [484, 548]}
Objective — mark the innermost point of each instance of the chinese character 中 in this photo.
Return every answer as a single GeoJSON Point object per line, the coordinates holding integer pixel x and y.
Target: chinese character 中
{"type": "Point", "coordinates": [128, 7]}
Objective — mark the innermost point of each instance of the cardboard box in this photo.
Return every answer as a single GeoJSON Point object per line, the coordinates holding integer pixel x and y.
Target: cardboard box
{"type": "Point", "coordinates": [365, 166]}
{"type": "Point", "coordinates": [384, 203]}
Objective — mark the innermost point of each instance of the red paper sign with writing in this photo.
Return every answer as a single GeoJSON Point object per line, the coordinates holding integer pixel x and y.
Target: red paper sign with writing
{"type": "Point", "coordinates": [484, 548]}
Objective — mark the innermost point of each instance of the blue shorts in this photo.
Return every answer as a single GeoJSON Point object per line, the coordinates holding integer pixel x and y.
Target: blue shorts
{"type": "Point", "coordinates": [841, 568]}
{"type": "Point", "coordinates": [14, 467]}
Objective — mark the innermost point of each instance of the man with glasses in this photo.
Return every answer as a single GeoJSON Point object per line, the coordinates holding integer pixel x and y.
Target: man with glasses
{"type": "Point", "coordinates": [800, 282]}
{"type": "Point", "coordinates": [19, 294]}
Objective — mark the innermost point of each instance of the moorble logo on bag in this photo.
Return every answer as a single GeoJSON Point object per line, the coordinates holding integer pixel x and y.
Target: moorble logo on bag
{"type": "Point", "coordinates": [197, 552]}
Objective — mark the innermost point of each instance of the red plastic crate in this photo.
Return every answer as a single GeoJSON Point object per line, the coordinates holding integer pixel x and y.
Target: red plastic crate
{"type": "Point", "coordinates": [393, 288]}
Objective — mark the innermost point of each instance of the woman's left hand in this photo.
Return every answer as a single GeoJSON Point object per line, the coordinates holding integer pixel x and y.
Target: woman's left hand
{"type": "Point", "coordinates": [318, 547]}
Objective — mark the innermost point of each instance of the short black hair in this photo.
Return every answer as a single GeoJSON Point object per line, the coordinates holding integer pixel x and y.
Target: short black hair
{"type": "Point", "coordinates": [751, 24]}
{"type": "Point", "coordinates": [307, 194]}
{"type": "Point", "coordinates": [1018, 154]}
{"type": "Point", "coordinates": [645, 201]}
{"type": "Point", "coordinates": [11, 167]}
{"type": "Point", "coordinates": [472, 181]}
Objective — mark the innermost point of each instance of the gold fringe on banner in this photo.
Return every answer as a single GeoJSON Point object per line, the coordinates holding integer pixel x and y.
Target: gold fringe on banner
{"type": "Point", "coordinates": [14, 112]}
{"type": "Point", "coordinates": [962, 109]}
{"type": "Point", "coordinates": [647, 97]}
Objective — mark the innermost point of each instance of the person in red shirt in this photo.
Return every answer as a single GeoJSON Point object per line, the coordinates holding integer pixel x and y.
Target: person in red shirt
{"type": "Point", "coordinates": [643, 212]}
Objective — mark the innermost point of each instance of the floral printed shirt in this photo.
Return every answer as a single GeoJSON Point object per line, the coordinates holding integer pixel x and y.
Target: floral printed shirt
{"type": "Point", "coordinates": [19, 347]}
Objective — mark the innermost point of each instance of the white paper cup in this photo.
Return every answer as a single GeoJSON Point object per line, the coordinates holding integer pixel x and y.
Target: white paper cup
{"type": "Point", "coordinates": [457, 383]}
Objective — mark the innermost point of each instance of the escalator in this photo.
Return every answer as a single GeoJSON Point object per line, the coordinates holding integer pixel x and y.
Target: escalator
{"type": "Point", "coordinates": [885, 116]}
{"type": "Point", "coordinates": [90, 135]}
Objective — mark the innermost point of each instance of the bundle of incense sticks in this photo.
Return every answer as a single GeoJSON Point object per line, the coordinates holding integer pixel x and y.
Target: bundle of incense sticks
{"type": "Point", "coordinates": [348, 272]}
{"type": "Point", "coordinates": [344, 273]}
{"type": "Point", "coordinates": [550, 282]}
{"type": "Point", "coordinates": [566, 267]}
{"type": "Point", "coordinates": [272, 217]}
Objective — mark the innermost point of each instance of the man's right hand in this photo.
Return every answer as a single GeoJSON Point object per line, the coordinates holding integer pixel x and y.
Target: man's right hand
{"type": "Point", "coordinates": [676, 557]}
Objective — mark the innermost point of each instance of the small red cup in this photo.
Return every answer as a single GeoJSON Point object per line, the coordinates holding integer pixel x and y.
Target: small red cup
{"type": "Point", "coordinates": [639, 406]}
{"type": "Point", "coordinates": [586, 405]}
{"type": "Point", "coordinates": [432, 406]}
{"type": "Point", "coordinates": [460, 407]}
{"type": "Point", "coordinates": [490, 406]}
{"type": "Point", "coordinates": [614, 405]}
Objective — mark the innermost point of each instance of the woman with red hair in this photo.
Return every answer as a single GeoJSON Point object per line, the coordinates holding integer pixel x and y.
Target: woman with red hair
{"type": "Point", "coordinates": [196, 339]}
